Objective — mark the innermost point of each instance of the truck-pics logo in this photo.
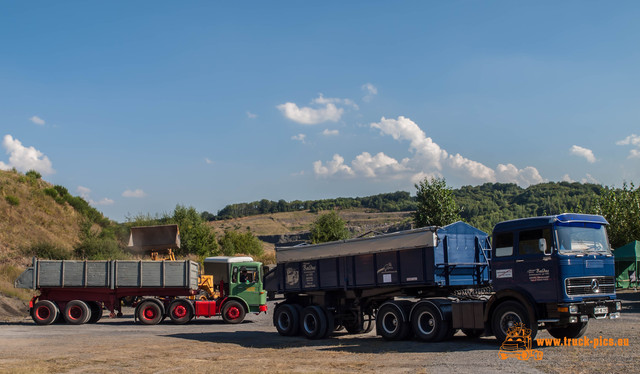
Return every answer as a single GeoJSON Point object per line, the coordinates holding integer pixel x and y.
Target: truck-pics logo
{"type": "Point", "coordinates": [518, 344]}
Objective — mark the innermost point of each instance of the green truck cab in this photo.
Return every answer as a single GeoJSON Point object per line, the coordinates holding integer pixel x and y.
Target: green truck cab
{"type": "Point", "coordinates": [239, 279]}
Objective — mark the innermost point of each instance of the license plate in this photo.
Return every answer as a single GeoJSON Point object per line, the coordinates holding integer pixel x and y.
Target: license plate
{"type": "Point", "coordinates": [600, 310]}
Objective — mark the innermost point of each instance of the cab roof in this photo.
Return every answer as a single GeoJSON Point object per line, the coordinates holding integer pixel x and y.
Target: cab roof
{"type": "Point", "coordinates": [526, 223]}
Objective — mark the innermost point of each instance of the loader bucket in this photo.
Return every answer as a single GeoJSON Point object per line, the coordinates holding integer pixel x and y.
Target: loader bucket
{"type": "Point", "coordinates": [145, 239]}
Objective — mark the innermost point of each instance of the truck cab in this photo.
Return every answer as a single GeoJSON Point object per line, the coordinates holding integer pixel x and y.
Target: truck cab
{"type": "Point", "coordinates": [238, 278]}
{"type": "Point", "coordinates": [559, 268]}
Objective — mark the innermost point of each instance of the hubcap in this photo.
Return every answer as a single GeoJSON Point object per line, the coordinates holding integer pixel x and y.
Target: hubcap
{"type": "Point", "coordinates": [43, 312]}
{"type": "Point", "coordinates": [426, 323]}
{"type": "Point", "coordinates": [310, 323]}
{"type": "Point", "coordinates": [149, 313]}
{"type": "Point", "coordinates": [390, 323]}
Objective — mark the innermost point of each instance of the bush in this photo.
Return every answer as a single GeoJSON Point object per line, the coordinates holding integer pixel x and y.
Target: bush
{"type": "Point", "coordinates": [12, 200]}
{"type": "Point", "coordinates": [33, 174]}
{"type": "Point", "coordinates": [46, 250]}
{"type": "Point", "coordinates": [96, 248]}
{"type": "Point", "coordinates": [51, 192]}
{"type": "Point", "coordinates": [234, 242]}
{"type": "Point", "coordinates": [62, 191]}
{"type": "Point", "coordinates": [329, 227]}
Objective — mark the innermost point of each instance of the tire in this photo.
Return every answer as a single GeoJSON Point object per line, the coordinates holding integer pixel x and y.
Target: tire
{"type": "Point", "coordinates": [313, 322]}
{"type": "Point", "coordinates": [96, 311]}
{"type": "Point", "coordinates": [233, 312]}
{"type": "Point", "coordinates": [45, 312]}
{"type": "Point", "coordinates": [573, 331]}
{"type": "Point", "coordinates": [331, 323]}
{"type": "Point", "coordinates": [149, 312]}
{"type": "Point", "coordinates": [508, 313]}
{"type": "Point", "coordinates": [427, 323]}
{"type": "Point", "coordinates": [391, 323]}
{"type": "Point", "coordinates": [286, 319]}
{"type": "Point", "coordinates": [76, 312]}
{"type": "Point", "coordinates": [180, 311]}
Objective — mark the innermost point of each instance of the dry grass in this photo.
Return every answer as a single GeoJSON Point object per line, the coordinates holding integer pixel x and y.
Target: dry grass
{"type": "Point", "coordinates": [358, 220]}
{"type": "Point", "coordinates": [36, 217]}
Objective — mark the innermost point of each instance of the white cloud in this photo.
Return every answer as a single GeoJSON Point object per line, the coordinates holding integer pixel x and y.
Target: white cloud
{"type": "Point", "coordinates": [37, 120]}
{"type": "Point", "coordinates": [208, 161]}
{"type": "Point", "coordinates": [524, 177]}
{"type": "Point", "coordinates": [335, 167]}
{"type": "Point", "coordinates": [85, 194]}
{"type": "Point", "coordinates": [251, 115]}
{"type": "Point", "coordinates": [370, 90]}
{"type": "Point", "coordinates": [24, 158]}
{"type": "Point", "coordinates": [590, 179]}
{"type": "Point", "coordinates": [328, 132]}
{"type": "Point", "coordinates": [405, 129]}
{"type": "Point", "coordinates": [429, 160]}
{"type": "Point", "coordinates": [567, 178]}
{"type": "Point", "coordinates": [103, 201]}
{"type": "Point", "coordinates": [332, 100]}
{"type": "Point", "coordinates": [380, 164]}
{"type": "Point", "coordinates": [300, 137]}
{"type": "Point", "coordinates": [633, 140]}
{"type": "Point", "coordinates": [135, 193]}
{"type": "Point", "coordinates": [576, 150]}
{"type": "Point", "coordinates": [324, 110]}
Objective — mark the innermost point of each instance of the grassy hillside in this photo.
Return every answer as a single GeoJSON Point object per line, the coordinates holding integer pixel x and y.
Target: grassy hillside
{"type": "Point", "coordinates": [28, 215]}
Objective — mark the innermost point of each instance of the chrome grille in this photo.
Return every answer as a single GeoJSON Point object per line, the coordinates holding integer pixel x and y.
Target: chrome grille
{"type": "Point", "coordinates": [585, 286]}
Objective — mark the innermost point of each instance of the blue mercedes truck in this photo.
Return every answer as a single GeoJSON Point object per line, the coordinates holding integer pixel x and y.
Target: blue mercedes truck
{"type": "Point", "coordinates": [553, 272]}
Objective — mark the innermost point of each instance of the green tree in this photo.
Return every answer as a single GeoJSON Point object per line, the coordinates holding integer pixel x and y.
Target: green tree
{"type": "Point", "coordinates": [234, 242]}
{"type": "Point", "coordinates": [436, 204]}
{"type": "Point", "coordinates": [195, 236]}
{"type": "Point", "coordinates": [621, 207]}
{"type": "Point", "coordinates": [329, 227]}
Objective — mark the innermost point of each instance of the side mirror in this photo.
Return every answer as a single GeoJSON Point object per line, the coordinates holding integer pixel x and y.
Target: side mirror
{"type": "Point", "coordinates": [542, 246]}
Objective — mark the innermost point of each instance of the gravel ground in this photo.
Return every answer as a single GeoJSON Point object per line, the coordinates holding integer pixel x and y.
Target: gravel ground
{"type": "Point", "coordinates": [205, 345]}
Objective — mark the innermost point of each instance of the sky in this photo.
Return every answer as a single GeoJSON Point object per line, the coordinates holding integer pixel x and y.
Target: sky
{"type": "Point", "coordinates": [140, 106]}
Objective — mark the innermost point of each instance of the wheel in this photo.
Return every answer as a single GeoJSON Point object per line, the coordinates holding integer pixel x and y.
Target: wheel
{"type": "Point", "coordinates": [391, 323]}
{"type": "Point", "coordinates": [427, 323]}
{"type": "Point", "coordinates": [286, 319]}
{"type": "Point", "coordinates": [508, 314]}
{"type": "Point", "coordinates": [331, 323]}
{"type": "Point", "coordinates": [233, 312]}
{"type": "Point", "coordinates": [313, 322]}
{"type": "Point", "coordinates": [76, 312]}
{"type": "Point", "coordinates": [45, 312]}
{"type": "Point", "coordinates": [149, 312]}
{"type": "Point", "coordinates": [96, 311]}
{"type": "Point", "coordinates": [473, 334]}
{"type": "Point", "coordinates": [180, 311]}
{"type": "Point", "coordinates": [573, 331]}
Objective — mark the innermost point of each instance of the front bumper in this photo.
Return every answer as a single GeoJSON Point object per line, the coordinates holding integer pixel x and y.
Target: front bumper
{"type": "Point", "coordinates": [583, 311]}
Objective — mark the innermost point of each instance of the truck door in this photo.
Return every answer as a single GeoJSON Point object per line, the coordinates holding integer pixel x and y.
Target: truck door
{"type": "Point", "coordinates": [535, 270]}
{"type": "Point", "coordinates": [246, 283]}
{"type": "Point", "coordinates": [502, 260]}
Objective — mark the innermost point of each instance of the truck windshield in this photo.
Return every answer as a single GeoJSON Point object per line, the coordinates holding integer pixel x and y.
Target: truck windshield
{"type": "Point", "coordinates": [582, 238]}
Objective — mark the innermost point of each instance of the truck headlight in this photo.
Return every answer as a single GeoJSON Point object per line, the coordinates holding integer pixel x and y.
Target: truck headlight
{"type": "Point", "coordinates": [573, 309]}
{"type": "Point", "coordinates": [618, 305]}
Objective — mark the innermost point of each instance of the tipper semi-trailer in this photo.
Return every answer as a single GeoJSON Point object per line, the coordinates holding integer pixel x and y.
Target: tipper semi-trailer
{"type": "Point", "coordinates": [77, 291]}
{"type": "Point", "coordinates": [554, 272]}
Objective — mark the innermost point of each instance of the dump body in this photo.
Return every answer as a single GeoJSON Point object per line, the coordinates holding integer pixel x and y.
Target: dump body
{"type": "Point", "coordinates": [113, 274]}
{"type": "Point", "coordinates": [429, 257]}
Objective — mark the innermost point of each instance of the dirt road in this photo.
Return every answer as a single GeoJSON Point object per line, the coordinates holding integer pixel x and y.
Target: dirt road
{"type": "Point", "coordinates": [120, 345]}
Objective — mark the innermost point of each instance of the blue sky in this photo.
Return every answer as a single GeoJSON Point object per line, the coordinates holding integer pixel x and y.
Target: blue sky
{"type": "Point", "coordinates": [139, 106]}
